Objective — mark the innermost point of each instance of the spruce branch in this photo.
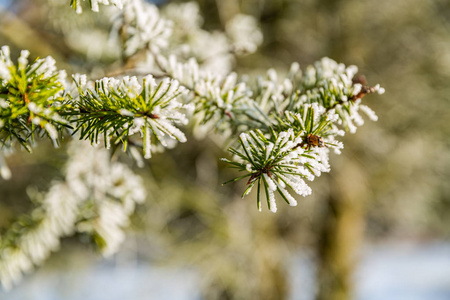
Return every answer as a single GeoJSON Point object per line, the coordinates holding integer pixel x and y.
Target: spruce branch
{"type": "Point", "coordinates": [31, 99]}
{"type": "Point", "coordinates": [275, 162]}
{"type": "Point", "coordinates": [316, 105]}
{"type": "Point", "coordinates": [223, 102]}
{"type": "Point", "coordinates": [327, 83]}
{"type": "Point", "coordinates": [317, 127]}
{"type": "Point", "coordinates": [286, 123]}
{"type": "Point", "coordinates": [142, 28]}
{"type": "Point", "coordinates": [313, 104]}
{"type": "Point", "coordinates": [96, 198]}
{"type": "Point", "coordinates": [331, 85]}
{"type": "Point", "coordinates": [94, 4]}
{"type": "Point", "coordinates": [117, 109]}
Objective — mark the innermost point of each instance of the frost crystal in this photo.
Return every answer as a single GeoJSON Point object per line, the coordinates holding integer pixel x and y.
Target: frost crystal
{"type": "Point", "coordinates": [277, 162]}
{"type": "Point", "coordinates": [76, 4]}
{"type": "Point", "coordinates": [30, 98]}
{"type": "Point", "coordinates": [5, 64]}
{"type": "Point", "coordinates": [142, 106]}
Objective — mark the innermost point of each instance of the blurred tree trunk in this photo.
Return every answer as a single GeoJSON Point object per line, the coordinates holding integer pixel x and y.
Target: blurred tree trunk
{"type": "Point", "coordinates": [342, 221]}
{"type": "Point", "coordinates": [341, 233]}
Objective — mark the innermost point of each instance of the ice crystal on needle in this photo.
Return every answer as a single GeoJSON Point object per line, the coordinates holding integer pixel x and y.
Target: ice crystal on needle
{"type": "Point", "coordinates": [120, 108]}
{"type": "Point", "coordinates": [76, 4]}
{"type": "Point", "coordinates": [30, 98]}
{"type": "Point", "coordinates": [276, 163]}
{"type": "Point", "coordinates": [285, 125]}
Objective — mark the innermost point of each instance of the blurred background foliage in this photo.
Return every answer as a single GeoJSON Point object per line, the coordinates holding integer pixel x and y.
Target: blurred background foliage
{"type": "Point", "coordinates": [390, 183]}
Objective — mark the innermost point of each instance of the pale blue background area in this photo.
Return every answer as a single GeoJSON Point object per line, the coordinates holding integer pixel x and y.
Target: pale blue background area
{"type": "Point", "coordinates": [387, 272]}
{"type": "Point", "coordinates": [405, 272]}
{"type": "Point", "coordinates": [105, 282]}
{"type": "Point", "coordinates": [391, 271]}
{"type": "Point", "coordinates": [5, 2]}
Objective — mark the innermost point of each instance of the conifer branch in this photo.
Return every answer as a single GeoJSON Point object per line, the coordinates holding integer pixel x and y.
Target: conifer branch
{"type": "Point", "coordinates": [284, 125]}
{"type": "Point", "coordinates": [31, 98]}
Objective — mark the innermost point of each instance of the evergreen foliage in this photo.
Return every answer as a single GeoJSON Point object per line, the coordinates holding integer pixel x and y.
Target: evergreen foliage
{"type": "Point", "coordinates": [284, 128]}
